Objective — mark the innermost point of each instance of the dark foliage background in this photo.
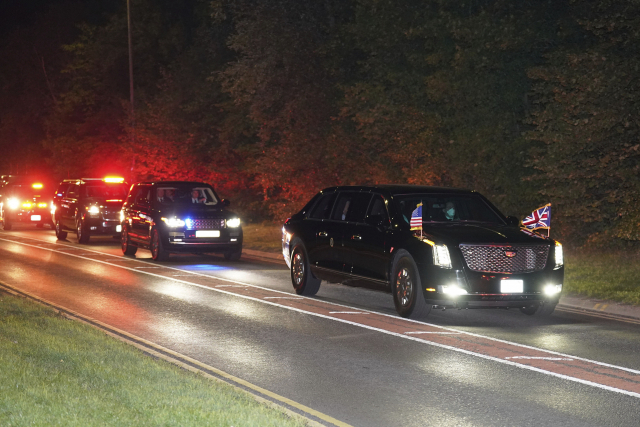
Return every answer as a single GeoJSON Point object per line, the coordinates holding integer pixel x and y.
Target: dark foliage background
{"type": "Point", "coordinates": [272, 100]}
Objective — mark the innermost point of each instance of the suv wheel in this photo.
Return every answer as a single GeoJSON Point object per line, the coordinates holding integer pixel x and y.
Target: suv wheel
{"type": "Point", "coordinates": [406, 288]}
{"type": "Point", "coordinates": [158, 253]}
{"type": "Point", "coordinates": [301, 277]}
{"type": "Point", "coordinates": [83, 232]}
{"type": "Point", "coordinates": [125, 242]}
{"type": "Point", "coordinates": [60, 234]}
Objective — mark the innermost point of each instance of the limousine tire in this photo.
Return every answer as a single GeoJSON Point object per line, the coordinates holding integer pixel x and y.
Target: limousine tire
{"type": "Point", "coordinates": [158, 252]}
{"type": "Point", "coordinates": [406, 287]}
{"type": "Point", "coordinates": [302, 279]}
{"type": "Point", "coordinates": [125, 243]}
{"type": "Point", "coordinates": [60, 233]}
{"type": "Point", "coordinates": [544, 309]}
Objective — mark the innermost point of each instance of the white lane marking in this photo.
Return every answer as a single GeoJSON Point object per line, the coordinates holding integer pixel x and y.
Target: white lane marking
{"type": "Point", "coordinates": [145, 267]}
{"type": "Point", "coordinates": [283, 298]}
{"type": "Point", "coordinates": [538, 358]}
{"type": "Point", "coordinates": [178, 275]}
{"type": "Point", "coordinates": [347, 312]}
{"type": "Point", "coordinates": [436, 333]}
{"type": "Point", "coordinates": [396, 334]}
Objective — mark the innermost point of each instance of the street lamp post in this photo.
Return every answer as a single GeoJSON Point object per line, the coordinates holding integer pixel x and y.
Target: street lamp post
{"type": "Point", "coordinates": [132, 116]}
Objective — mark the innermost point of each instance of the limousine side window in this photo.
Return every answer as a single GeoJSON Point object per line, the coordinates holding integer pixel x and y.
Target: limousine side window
{"type": "Point", "coordinates": [377, 211]}
{"type": "Point", "coordinates": [322, 209]}
{"type": "Point", "coordinates": [351, 206]}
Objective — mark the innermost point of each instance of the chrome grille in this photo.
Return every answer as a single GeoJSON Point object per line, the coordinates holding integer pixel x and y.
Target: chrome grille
{"type": "Point", "coordinates": [493, 258]}
{"type": "Point", "coordinates": [207, 224]}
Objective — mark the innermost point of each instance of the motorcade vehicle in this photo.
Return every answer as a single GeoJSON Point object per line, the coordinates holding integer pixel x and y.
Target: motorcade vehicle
{"type": "Point", "coordinates": [26, 200]}
{"type": "Point", "coordinates": [179, 216]}
{"type": "Point", "coordinates": [428, 246]}
{"type": "Point", "coordinates": [88, 206]}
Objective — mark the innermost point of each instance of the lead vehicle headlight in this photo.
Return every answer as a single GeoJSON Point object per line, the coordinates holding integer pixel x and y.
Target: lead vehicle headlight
{"type": "Point", "coordinates": [559, 255]}
{"type": "Point", "coordinates": [233, 222]}
{"type": "Point", "coordinates": [173, 222]}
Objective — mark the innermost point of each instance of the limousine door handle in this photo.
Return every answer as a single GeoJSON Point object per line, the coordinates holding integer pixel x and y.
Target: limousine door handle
{"type": "Point", "coordinates": [323, 234]}
{"type": "Point", "coordinates": [356, 237]}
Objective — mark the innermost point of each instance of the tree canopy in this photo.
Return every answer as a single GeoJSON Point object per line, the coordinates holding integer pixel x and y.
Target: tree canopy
{"type": "Point", "coordinates": [271, 100]}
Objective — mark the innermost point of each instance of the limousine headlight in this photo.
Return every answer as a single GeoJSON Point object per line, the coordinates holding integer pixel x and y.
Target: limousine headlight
{"type": "Point", "coordinates": [441, 256]}
{"type": "Point", "coordinates": [233, 222]}
{"type": "Point", "coordinates": [173, 222]}
{"type": "Point", "coordinates": [559, 255]}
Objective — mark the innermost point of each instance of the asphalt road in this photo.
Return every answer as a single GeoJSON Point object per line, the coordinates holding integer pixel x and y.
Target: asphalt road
{"type": "Point", "coordinates": [343, 353]}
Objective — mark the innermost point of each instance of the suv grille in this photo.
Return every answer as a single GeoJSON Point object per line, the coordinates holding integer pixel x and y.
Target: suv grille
{"type": "Point", "coordinates": [493, 258]}
{"type": "Point", "coordinates": [207, 224]}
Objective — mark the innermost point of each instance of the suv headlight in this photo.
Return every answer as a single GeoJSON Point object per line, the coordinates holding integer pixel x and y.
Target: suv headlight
{"type": "Point", "coordinates": [173, 222]}
{"type": "Point", "coordinates": [559, 255]}
{"type": "Point", "coordinates": [13, 203]}
{"type": "Point", "coordinates": [233, 222]}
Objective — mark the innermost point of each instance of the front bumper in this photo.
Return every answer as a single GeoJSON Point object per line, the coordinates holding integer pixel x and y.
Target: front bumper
{"type": "Point", "coordinates": [214, 241]}
{"type": "Point", "coordinates": [33, 216]}
{"type": "Point", "coordinates": [484, 290]}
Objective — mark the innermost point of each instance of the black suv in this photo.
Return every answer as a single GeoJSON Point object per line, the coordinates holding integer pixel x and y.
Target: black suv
{"type": "Point", "coordinates": [88, 206]}
{"type": "Point", "coordinates": [179, 216]}
{"type": "Point", "coordinates": [428, 246]}
{"type": "Point", "coordinates": [24, 199]}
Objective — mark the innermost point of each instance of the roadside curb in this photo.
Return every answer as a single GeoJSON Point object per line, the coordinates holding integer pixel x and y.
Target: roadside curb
{"type": "Point", "coordinates": [568, 302]}
{"type": "Point", "coordinates": [598, 306]}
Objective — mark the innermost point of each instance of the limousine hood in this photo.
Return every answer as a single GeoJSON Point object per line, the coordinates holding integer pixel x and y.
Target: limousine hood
{"type": "Point", "coordinates": [481, 233]}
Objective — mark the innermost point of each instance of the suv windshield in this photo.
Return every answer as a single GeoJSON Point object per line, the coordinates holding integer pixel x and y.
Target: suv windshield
{"type": "Point", "coordinates": [185, 195]}
{"type": "Point", "coordinates": [106, 191]}
{"type": "Point", "coordinates": [448, 208]}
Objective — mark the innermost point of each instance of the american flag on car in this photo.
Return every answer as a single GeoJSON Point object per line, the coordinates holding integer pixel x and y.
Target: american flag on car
{"type": "Point", "coordinates": [416, 218]}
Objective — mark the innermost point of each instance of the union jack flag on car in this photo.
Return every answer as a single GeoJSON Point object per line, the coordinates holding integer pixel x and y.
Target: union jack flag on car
{"type": "Point", "coordinates": [540, 218]}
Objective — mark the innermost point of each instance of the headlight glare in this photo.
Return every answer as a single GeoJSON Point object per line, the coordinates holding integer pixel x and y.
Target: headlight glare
{"type": "Point", "coordinates": [93, 210]}
{"type": "Point", "coordinates": [13, 203]}
{"type": "Point", "coordinates": [233, 222]}
{"type": "Point", "coordinates": [453, 290]}
{"type": "Point", "coordinates": [552, 289]}
{"type": "Point", "coordinates": [173, 222]}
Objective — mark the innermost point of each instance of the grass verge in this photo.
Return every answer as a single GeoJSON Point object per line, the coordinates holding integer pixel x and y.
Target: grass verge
{"type": "Point", "coordinates": [265, 236]}
{"type": "Point", "coordinates": [59, 372]}
{"type": "Point", "coordinates": [603, 275]}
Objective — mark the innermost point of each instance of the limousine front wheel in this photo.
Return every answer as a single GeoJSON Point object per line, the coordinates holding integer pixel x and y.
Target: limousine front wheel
{"type": "Point", "coordinates": [301, 277]}
{"type": "Point", "coordinates": [407, 292]}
